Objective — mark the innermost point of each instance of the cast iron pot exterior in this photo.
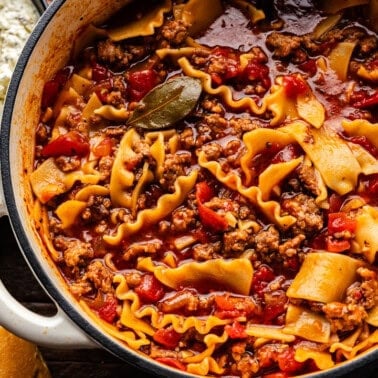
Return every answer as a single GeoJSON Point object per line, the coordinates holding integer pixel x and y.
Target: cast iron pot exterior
{"type": "Point", "coordinates": [48, 49]}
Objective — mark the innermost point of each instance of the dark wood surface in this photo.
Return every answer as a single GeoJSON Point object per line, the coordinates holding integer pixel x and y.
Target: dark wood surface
{"type": "Point", "coordinates": [96, 363]}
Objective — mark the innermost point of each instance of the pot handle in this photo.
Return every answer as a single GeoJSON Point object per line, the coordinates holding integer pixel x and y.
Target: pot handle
{"type": "Point", "coordinates": [57, 331]}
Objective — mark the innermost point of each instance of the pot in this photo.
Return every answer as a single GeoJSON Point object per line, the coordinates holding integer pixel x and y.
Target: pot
{"type": "Point", "coordinates": [49, 47]}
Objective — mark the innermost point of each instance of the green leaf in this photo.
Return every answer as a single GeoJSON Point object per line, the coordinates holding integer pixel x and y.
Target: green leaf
{"type": "Point", "coordinates": [167, 103]}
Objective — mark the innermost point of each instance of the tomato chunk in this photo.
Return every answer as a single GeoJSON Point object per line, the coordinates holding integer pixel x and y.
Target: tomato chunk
{"type": "Point", "coordinates": [337, 245]}
{"type": "Point", "coordinates": [53, 86]}
{"type": "Point", "coordinates": [103, 148]}
{"type": "Point", "coordinates": [287, 362]}
{"type": "Point", "coordinates": [140, 83]}
{"type": "Point", "coordinates": [150, 289]}
{"type": "Point", "coordinates": [339, 222]}
{"type": "Point", "coordinates": [294, 86]}
{"type": "Point", "coordinates": [236, 330]}
{"type": "Point", "coordinates": [108, 311]}
{"type": "Point", "coordinates": [209, 217]}
{"type": "Point", "coordinates": [167, 337]}
{"type": "Point", "coordinates": [70, 144]}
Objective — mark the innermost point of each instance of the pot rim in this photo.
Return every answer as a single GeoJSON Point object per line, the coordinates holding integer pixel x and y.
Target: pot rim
{"type": "Point", "coordinates": [125, 353]}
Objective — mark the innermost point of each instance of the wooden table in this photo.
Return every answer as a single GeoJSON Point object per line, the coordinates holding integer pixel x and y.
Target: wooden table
{"type": "Point", "coordinates": [95, 363]}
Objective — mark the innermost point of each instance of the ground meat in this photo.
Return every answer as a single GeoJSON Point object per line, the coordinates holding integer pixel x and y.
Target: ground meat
{"type": "Point", "coordinates": [186, 301]}
{"type": "Point", "coordinates": [242, 125]}
{"type": "Point", "coordinates": [246, 364]}
{"type": "Point", "coordinates": [113, 53]}
{"type": "Point", "coordinates": [140, 249]}
{"type": "Point", "coordinates": [267, 240]}
{"type": "Point", "coordinates": [100, 276]}
{"type": "Point", "coordinates": [212, 150]}
{"type": "Point", "coordinates": [156, 351]}
{"type": "Point", "coordinates": [75, 252]}
{"type": "Point", "coordinates": [42, 133]}
{"type": "Point", "coordinates": [236, 242]}
{"type": "Point", "coordinates": [289, 247]}
{"type": "Point", "coordinates": [206, 251]}
{"type": "Point", "coordinates": [98, 209]}
{"type": "Point", "coordinates": [344, 317]}
{"type": "Point", "coordinates": [68, 163]}
{"type": "Point", "coordinates": [105, 165]}
{"type": "Point", "coordinates": [174, 32]}
{"type": "Point", "coordinates": [133, 279]}
{"type": "Point", "coordinates": [283, 45]}
{"type": "Point", "coordinates": [309, 215]}
{"type": "Point", "coordinates": [364, 293]}
{"type": "Point", "coordinates": [307, 176]}
{"type": "Point", "coordinates": [187, 140]}
{"type": "Point", "coordinates": [174, 166]}
{"type": "Point", "coordinates": [268, 353]}
{"type": "Point", "coordinates": [217, 124]}
{"type": "Point", "coordinates": [182, 218]}
{"type": "Point", "coordinates": [80, 288]}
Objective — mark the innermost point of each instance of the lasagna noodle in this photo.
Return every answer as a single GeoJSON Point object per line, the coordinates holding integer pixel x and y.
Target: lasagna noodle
{"type": "Point", "coordinates": [323, 360]}
{"type": "Point", "coordinates": [112, 113]}
{"type": "Point", "coordinates": [324, 277]}
{"type": "Point", "coordinates": [143, 26]}
{"type": "Point", "coordinates": [329, 153]}
{"type": "Point", "coordinates": [307, 324]}
{"type": "Point", "coordinates": [282, 107]}
{"type": "Point", "coordinates": [165, 205]}
{"type": "Point", "coordinates": [235, 275]}
{"type": "Point", "coordinates": [129, 337]}
{"type": "Point", "coordinates": [206, 366]}
{"type": "Point", "coordinates": [362, 127]}
{"type": "Point", "coordinates": [233, 181]}
{"type": "Point", "coordinates": [366, 241]}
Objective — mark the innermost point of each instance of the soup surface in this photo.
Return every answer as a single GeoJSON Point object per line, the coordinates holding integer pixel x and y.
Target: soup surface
{"type": "Point", "coordinates": [206, 181]}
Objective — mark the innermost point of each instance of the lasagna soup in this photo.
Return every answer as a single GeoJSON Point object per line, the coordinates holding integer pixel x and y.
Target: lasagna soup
{"type": "Point", "coordinates": [206, 182]}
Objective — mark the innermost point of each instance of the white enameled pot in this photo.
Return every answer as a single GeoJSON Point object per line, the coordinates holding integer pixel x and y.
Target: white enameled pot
{"type": "Point", "coordinates": [48, 49]}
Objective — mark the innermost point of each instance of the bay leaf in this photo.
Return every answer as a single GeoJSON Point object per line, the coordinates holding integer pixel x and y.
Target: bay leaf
{"type": "Point", "coordinates": [167, 103]}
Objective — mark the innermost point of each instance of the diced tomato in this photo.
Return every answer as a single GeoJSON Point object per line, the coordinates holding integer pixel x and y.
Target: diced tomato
{"type": "Point", "coordinates": [53, 86]}
{"type": "Point", "coordinates": [104, 148]}
{"type": "Point", "coordinates": [371, 184]}
{"type": "Point", "coordinates": [140, 83]}
{"type": "Point", "coordinates": [256, 70]}
{"type": "Point", "coordinates": [309, 66]}
{"type": "Point", "coordinates": [272, 311]}
{"type": "Point", "coordinates": [150, 289]}
{"type": "Point", "coordinates": [167, 337]}
{"type": "Point", "coordinates": [289, 152]}
{"type": "Point", "coordinates": [337, 245]}
{"type": "Point", "coordinates": [287, 362]}
{"type": "Point", "coordinates": [209, 218]}
{"type": "Point", "coordinates": [335, 203]}
{"type": "Point", "coordinates": [294, 86]}
{"type": "Point", "coordinates": [108, 311]}
{"type": "Point", "coordinates": [99, 72]}
{"type": "Point", "coordinates": [236, 330]}
{"type": "Point", "coordinates": [172, 362]}
{"type": "Point", "coordinates": [262, 276]}
{"type": "Point", "coordinates": [367, 101]}
{"type": "Point", "coordinates": [339, 222]}
{"type": "Point", "coordinates": [366, 144]}
{"type": "Point", "coordinates": [70, 144]}
{"type": "Point", "coordinates": [319, 241]}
